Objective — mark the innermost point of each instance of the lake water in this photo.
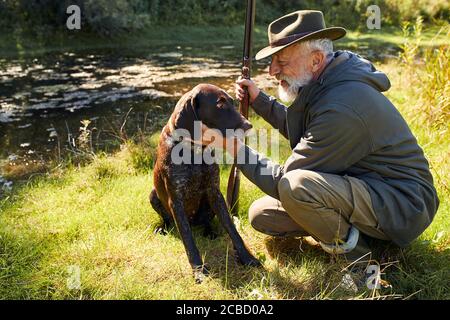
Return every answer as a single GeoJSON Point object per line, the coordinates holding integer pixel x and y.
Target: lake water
{"type": "Point", "coordinates": [43, 99]}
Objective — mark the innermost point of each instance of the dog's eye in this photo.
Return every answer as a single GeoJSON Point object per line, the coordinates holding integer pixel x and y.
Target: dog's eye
{"type": "Point", "coordinates": [221, 102]}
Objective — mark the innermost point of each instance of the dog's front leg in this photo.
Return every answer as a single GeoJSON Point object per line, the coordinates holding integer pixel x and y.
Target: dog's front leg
{"type": "Point", "coordinates": [159, 209]}
{"type": "Point", "coordinates": [185, 231]}
{"type": "Point", "coordinates": [217, 202]}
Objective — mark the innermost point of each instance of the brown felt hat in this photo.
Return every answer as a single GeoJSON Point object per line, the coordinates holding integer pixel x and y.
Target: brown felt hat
{"type": "Point", "coordinates": [298, 26]}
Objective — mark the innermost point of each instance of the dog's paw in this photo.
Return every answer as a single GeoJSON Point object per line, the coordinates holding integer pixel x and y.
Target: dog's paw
{"type": "Point", "coordinates": [210, 234]}
{"type": "Point", "coordinates": [200, 273]}
{"type": "Point", "coordinates": [160, 230]}
{"type": "Point", "coordinates": [249, 260]}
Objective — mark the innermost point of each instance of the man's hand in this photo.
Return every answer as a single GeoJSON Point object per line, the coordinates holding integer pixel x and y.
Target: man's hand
{"type": "Point", "coordinates": [253, 90]}
{"type": "Point", "coordinates": [214, 139]}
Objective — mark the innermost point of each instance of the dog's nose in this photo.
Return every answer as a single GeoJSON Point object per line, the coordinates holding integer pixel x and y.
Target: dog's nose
{"type": "Point", "coordinates": [246, 125]}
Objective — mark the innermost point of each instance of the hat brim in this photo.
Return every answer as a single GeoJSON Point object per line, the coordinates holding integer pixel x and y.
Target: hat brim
{"type": "Point", "coordinates": [333, 33]}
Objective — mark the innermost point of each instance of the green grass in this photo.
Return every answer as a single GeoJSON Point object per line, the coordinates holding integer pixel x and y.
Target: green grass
{"type": "Point", "coordinates": [102, 223]}
{"type": "Point", "coordinates": [97, 219]}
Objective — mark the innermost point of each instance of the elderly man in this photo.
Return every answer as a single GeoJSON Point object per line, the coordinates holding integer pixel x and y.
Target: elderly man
{"type": "Point", "coordinates": [356, 171]}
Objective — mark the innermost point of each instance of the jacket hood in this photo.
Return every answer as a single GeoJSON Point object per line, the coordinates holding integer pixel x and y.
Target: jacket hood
{"type": "Point", "coordinates": [354, 68]}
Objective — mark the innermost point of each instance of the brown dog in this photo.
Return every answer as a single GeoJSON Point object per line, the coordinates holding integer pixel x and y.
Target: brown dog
{"type": "Point", "coordinates": [189, 193]}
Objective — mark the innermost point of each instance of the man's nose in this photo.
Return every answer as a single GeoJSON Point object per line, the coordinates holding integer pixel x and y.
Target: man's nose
{"type": "Point", "coordinates": [274, 69]}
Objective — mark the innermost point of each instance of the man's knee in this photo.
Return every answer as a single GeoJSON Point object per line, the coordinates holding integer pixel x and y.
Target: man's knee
{"type": "Point", "coordinates": [302, 195]}
{"type": "Point", "coordinates": [298, 184]}
{"type": "Point", "coordinates": [255, 212]}
{"type": "Point", "coordinates": [267, 216]}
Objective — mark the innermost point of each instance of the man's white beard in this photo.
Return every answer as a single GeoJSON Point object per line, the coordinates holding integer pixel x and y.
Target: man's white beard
{"type": "Point", "coordinates": [289, 94]}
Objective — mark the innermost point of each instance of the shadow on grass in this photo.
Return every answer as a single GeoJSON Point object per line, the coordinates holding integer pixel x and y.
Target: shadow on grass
{"type": "Point", "coordinates": [303, 271]}
{"type": "Point", "coordinates": [297, 269]}
{"type": "Point", "coordinates": [423, 272]}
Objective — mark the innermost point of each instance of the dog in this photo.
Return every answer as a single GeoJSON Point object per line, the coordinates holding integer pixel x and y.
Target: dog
{"type": "Point", "coordinates": [189, 194]}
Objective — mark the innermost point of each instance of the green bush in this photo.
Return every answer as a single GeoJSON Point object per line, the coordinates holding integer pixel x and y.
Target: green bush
{"type": "Point", "coordinates": [108, 17]}
{"type": "Point", "coordinates": [104, 169]}
{"type": "Point", "coordinates": [428, 70]}
{"type": "Point", "coordinates": [143, 153]}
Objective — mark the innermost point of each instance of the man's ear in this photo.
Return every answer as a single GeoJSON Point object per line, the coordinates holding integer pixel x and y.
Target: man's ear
{"type": "Point", "coordinates": [318, 59]}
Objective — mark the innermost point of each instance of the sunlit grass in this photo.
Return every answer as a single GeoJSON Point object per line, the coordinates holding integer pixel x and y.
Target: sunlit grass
{"type": "Point", "coordinates": [96, 218]}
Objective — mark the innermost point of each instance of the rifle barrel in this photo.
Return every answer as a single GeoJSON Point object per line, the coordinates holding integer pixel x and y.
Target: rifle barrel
{"type": "Point", "coordinates": [249, 21]}
{"type": "Point", "coordinates": [234, 178]}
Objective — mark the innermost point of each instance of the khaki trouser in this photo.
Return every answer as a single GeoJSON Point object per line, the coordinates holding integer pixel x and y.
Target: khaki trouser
{"type": "Point", "coordinates": [321, 205]}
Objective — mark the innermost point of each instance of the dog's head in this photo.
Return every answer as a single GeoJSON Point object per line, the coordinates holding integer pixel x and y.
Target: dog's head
{"type": "Point", "coordinates": [211, 105]}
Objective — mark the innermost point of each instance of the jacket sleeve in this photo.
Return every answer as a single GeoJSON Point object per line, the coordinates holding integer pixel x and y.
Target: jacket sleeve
{"type": "Point", "coordinates": [332, 143]}
{"type": "Point", "coordinates": [272, 111]}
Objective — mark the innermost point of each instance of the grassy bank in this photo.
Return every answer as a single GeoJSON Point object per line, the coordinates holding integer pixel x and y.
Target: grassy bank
{"type": "Point", "coordinates": [95, 221]}
{"type": "Point", "coordinates": [97, 218]}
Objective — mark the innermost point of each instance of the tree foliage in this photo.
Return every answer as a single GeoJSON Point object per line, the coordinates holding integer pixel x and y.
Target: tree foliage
{"type": "Point", "coordinates": [108, 17]}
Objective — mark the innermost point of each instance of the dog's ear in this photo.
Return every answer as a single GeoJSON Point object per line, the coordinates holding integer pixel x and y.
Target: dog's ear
{"type": "Point", "coordinates": [181, 104]}
{"type": "Point", "coordinates": [188, 102]}
{"type": "Point", "coordinates": [194, 105]}
{"type": "Point", "coordinates": [186, 112]}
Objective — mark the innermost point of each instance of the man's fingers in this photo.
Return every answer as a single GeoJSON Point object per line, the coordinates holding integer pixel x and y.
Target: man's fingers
{"type": "Point", "coordinates": [244, 82]}
{"type": "Point", "coordinates": [240, 91]}
{"type": "Point", "coordinates": [240, 95]}
{"type": "Point", "coordinates": [250, 85]}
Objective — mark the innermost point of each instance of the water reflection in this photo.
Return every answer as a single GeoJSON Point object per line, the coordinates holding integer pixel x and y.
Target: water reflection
{"type": "Point", "coordinates": [43, 99]}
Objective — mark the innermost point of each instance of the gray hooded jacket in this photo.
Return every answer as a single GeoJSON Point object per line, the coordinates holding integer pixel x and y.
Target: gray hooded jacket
{"type": "Point", "coordinates": [343, 124]}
